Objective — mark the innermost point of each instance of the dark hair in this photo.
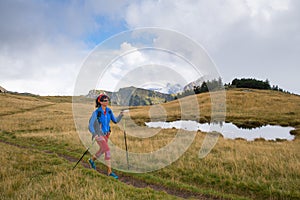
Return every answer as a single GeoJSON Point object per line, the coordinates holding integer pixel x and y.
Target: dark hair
{"type": "Point", "coordinates": [100, 98]}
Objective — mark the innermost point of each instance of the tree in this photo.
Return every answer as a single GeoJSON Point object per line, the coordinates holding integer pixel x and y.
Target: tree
{"type": "Point", "coordinates": [251, 83]}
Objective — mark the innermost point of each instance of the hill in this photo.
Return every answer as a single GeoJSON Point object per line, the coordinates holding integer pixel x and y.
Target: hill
{"type": "Point", "coordinates": [247, 108]}
{"type": "Point", "coordinates": [40, 145]}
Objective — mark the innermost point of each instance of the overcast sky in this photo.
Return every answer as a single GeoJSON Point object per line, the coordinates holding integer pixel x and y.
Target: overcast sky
{"type": "Point", "coordinates": [44, 43]}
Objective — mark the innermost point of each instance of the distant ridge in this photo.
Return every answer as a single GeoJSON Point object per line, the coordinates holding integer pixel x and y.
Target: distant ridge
{"type": "Point", "coordinates": [3, 90]}
{"type": "Point", "coordinates": [132, 96]}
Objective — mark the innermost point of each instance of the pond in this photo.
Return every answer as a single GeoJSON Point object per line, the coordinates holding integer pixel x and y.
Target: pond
{"type": "Point", "coordinates": [229, 130]}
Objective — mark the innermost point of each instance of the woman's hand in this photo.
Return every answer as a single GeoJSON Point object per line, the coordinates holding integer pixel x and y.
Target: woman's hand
{"type": "Point", "coordinates": [123, 111]}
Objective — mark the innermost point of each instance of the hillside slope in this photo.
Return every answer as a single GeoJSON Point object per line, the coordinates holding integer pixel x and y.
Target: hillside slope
{"type": "Point", "coordinates": [244, 107]}
{"type": "Point", "coordinates": [38, 133]}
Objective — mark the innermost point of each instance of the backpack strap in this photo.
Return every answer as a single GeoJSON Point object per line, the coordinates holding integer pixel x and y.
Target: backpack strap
{"type": "Point", "coordinates": [98, 115]}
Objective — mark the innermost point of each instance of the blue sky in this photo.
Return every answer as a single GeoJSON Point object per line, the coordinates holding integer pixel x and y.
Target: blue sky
{"type": "Point", "coordinates": [109, 28]}
{"type": "Point", "coordinates": [44, 43]}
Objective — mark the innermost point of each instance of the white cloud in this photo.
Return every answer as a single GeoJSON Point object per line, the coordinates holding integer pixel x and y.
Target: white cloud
{"type": "Point", "coordinates": [43, 43]}
{"type": "Point", "coordinates": [267, 8]}
{"type": "Point", "coordinates": [252, 38]}
{"type": "Point", "coordinates": [201, 20]}
{"type": "Point", "coordinates": [52, 67]}
{"type": "Point", "coordinates": [136, 66]}
{"type": "Point", "coordinates": [206, 21]}
{"type": "Point", "coordinates": [47, 40]}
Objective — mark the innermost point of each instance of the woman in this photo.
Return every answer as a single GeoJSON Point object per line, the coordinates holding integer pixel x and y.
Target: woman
{"type": "Point", "coordinates": [100, 128]}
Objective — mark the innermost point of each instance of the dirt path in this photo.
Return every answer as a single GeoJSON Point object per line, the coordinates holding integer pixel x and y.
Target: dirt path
{"type": "Point", "coordinates": [131, 180]}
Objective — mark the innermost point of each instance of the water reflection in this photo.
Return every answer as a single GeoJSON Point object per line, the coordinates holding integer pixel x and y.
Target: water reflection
{"type": "Point", "coordinates": [229, 130]}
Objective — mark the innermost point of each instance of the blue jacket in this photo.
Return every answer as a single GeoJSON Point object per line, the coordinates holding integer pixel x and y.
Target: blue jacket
{"type": "Point", "coordinates": [99, 122]}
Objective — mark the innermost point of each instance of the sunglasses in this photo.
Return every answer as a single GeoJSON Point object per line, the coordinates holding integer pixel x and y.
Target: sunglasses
{"type": "Point", "coordinates": [105, 100]}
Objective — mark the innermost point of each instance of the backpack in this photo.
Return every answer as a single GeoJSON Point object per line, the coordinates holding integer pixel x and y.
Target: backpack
{"type": "Point", "coordinates": [96, 124]}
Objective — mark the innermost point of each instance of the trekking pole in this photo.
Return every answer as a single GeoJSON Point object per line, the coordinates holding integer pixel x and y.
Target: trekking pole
{"type": "Point", "coordinates": [84, 154]}
{"type": "Point", "coordinates": [126, 146]}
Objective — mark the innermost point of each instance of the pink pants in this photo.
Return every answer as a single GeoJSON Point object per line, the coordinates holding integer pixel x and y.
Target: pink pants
{"type": "Point", "coordinates": [102, 141]}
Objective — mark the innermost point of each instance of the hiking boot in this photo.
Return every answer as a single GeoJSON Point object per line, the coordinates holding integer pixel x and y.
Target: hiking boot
{"type": "Point", "coordinates": [113, 175]}
{"type": "Point", "coordinates": [92, 164]}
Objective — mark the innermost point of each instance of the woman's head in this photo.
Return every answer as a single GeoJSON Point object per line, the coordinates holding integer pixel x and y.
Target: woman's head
{"type": "Point", "coordinates": [102, 99]}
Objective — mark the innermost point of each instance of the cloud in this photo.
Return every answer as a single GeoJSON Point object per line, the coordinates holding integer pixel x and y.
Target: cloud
{"type": "Point", "coordinates": [52, 69]}
{"type": "Point", "coordinates": [43, 43]}
{"type": "Point", "coordinates": [47, 41]}
{"type": "Point", "coordinates": [201, 20]}
{"type": "Point", "coordinates": [135, 65]}
{"type": "Point", "coordinates": [252, 38]}
{"type": "Point", "coordinates": [207, 21]}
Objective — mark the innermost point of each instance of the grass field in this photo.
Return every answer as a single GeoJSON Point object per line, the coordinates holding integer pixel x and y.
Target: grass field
{"type": "Point", "coordinates": [31, 127]}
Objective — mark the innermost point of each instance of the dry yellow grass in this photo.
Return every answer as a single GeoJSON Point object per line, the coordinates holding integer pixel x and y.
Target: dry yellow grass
{"type": "Point", "coordinates": [260, 169]}
{"type": "Point", "coordinates": [244, 107]}
{"type": "Point", "coordinates": [31, 174]}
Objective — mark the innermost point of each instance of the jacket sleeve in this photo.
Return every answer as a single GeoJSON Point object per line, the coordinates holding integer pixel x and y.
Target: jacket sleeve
{"type": "Point", "coordinates": [114, 119]}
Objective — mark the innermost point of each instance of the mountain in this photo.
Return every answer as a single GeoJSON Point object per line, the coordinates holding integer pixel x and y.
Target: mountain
{"type": "Point", "coordinates": [132, 96]}
{"type": "Point", "coordinates": [169, 89]}
{"type": "Point", "coordinates": [3, 90]}
{"type": "Point", "coordinates": [191, 85]}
